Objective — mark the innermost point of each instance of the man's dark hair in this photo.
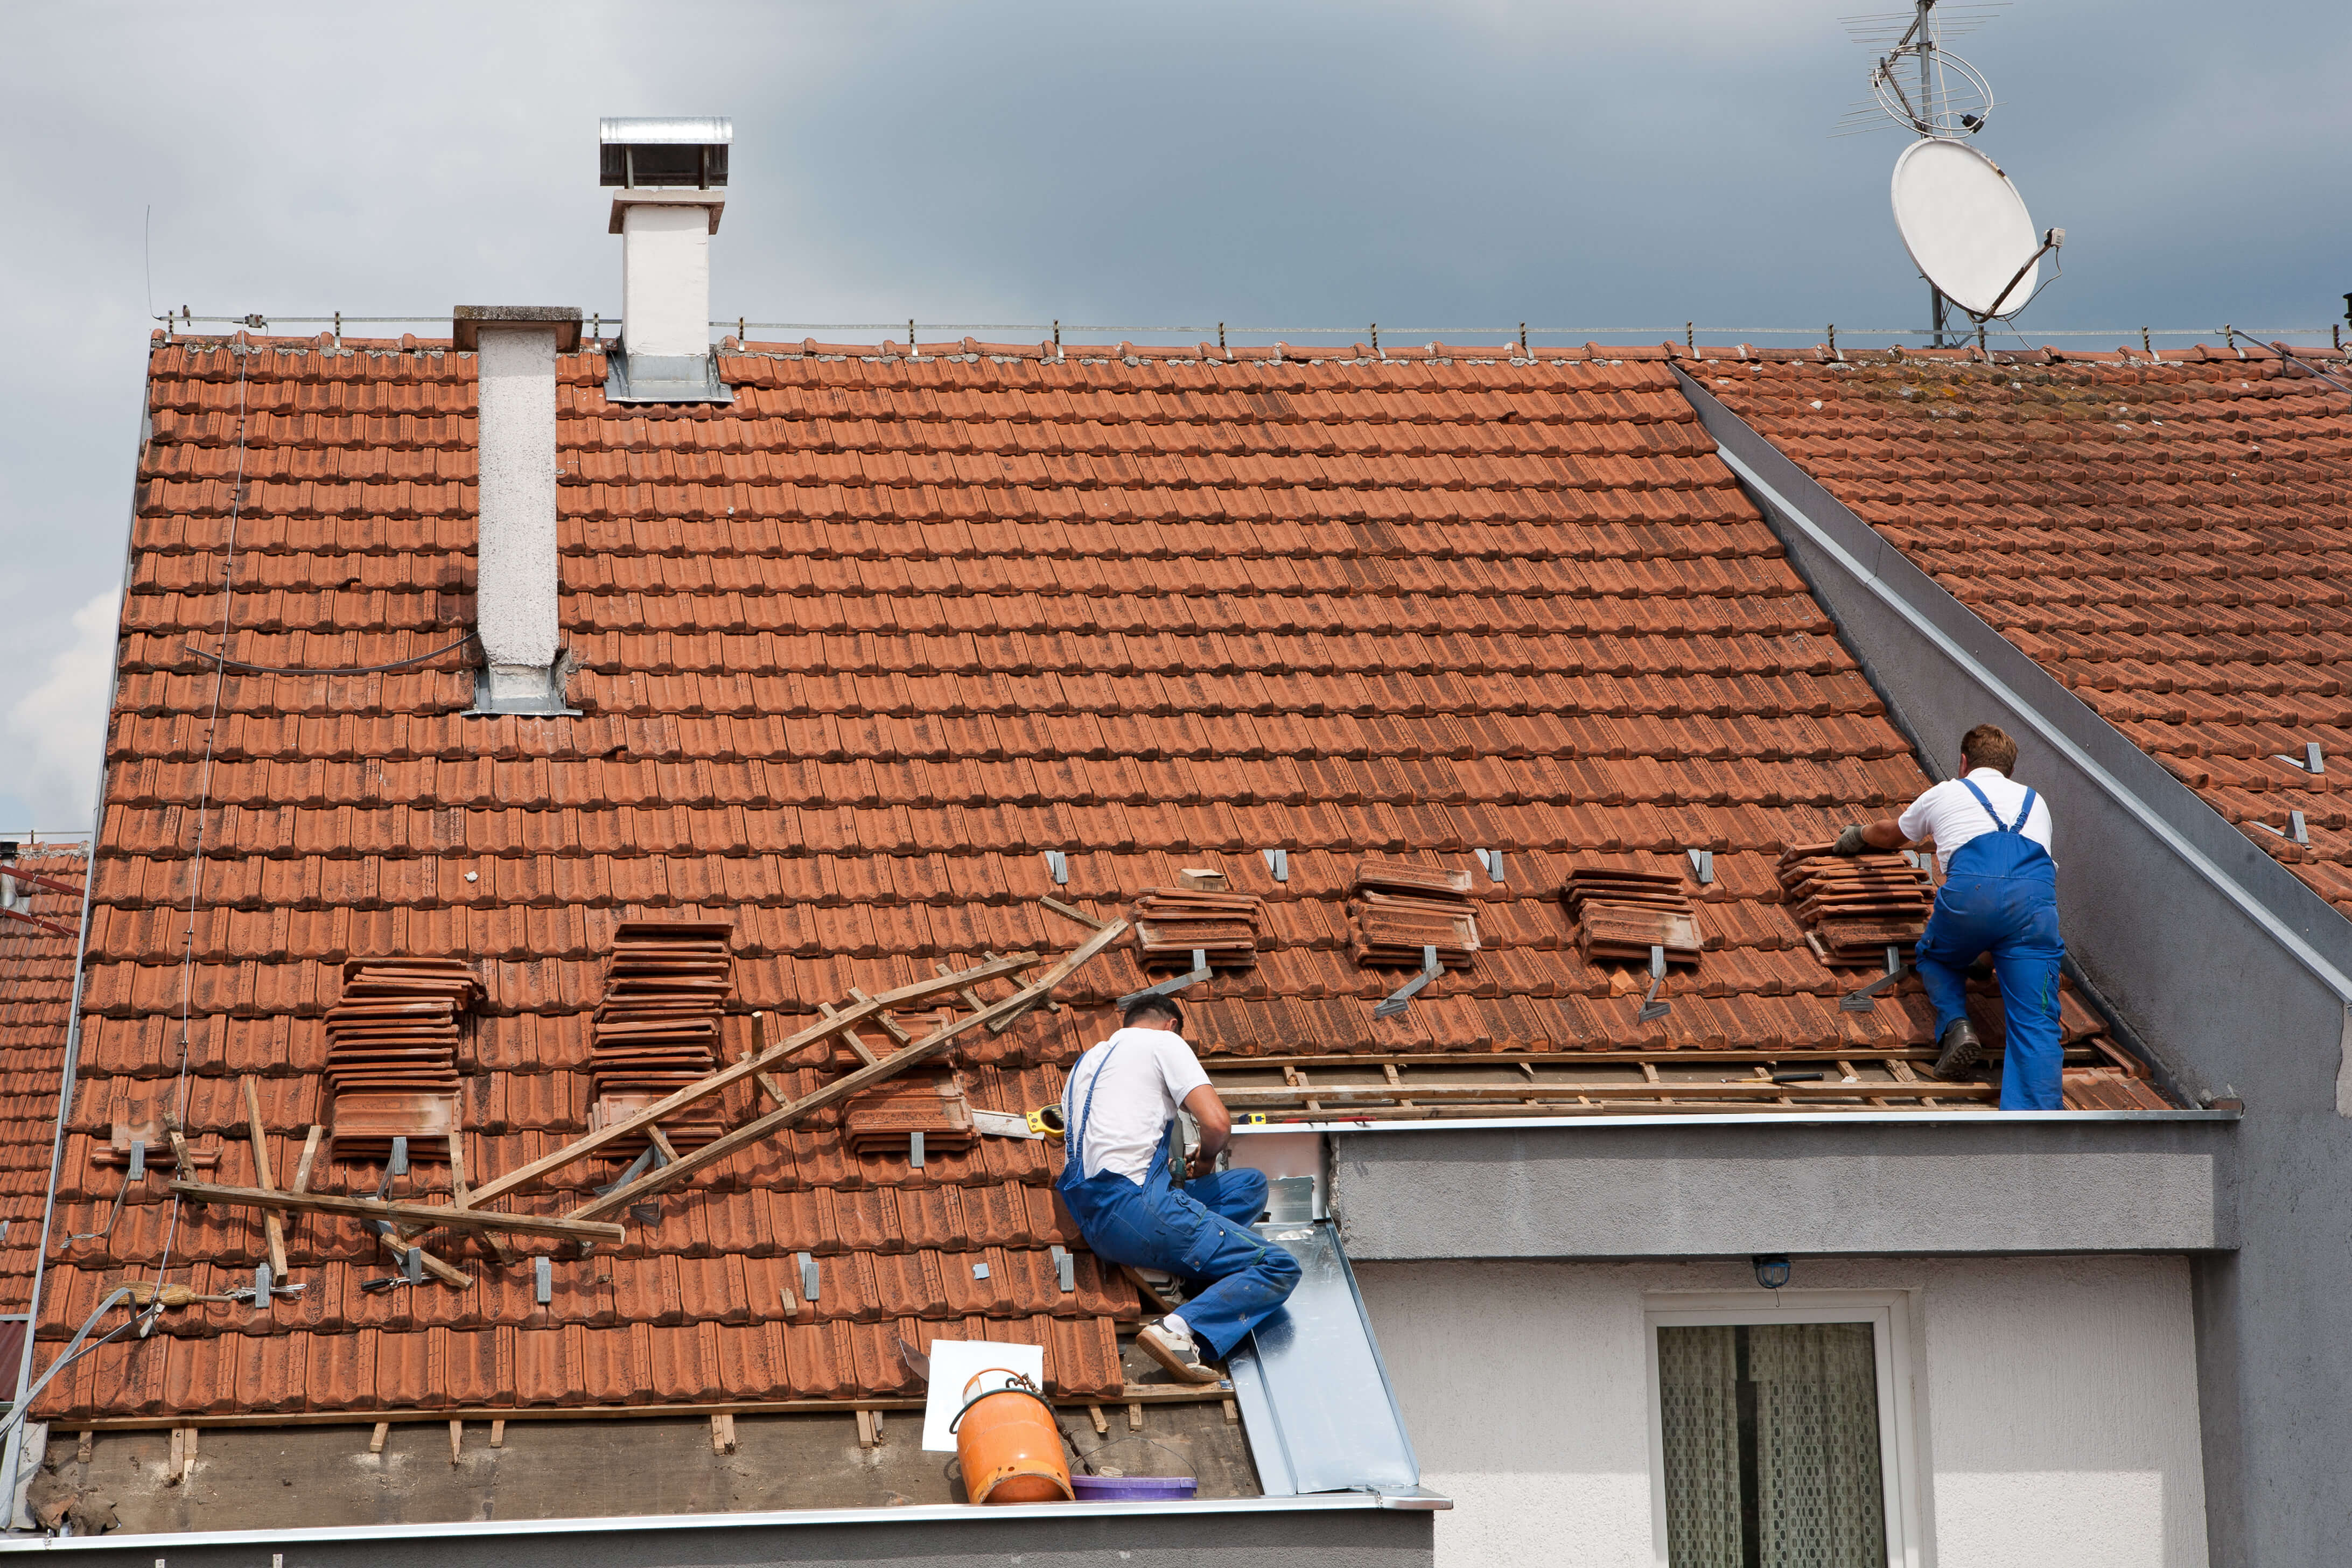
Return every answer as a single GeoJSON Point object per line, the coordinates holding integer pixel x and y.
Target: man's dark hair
{"type": "Point", "coordinates": [1151, 1007]}
{"type": "Point", "coordinates": [1988, 746]}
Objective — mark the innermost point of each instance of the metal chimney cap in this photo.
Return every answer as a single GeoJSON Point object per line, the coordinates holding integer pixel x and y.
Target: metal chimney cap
{"type": "Point", "coordinates": [673, 150]}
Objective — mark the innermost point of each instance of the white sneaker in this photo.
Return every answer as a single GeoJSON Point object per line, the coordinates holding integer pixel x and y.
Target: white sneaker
{"type": "Point", "coordinates": [1175, 1350]}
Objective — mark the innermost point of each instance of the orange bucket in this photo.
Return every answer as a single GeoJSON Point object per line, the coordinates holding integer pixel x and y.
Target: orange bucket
{"type": "Point", "coordinates": [1007, 1444]}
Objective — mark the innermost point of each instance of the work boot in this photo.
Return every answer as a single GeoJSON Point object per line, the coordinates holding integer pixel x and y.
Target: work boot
{"type": "Point", "coordinates": [1962, 1048]}
{"type": "Point", "coordinates": [1174, 1348]}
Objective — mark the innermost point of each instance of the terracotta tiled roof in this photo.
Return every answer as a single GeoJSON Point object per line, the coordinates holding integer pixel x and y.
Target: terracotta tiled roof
{"type": "Point", "coordinates": [854, 653]}
{"type": "Point", "coordinates": [36, 1006]}
{"type": "Point", "coordinates": [2169, 538]}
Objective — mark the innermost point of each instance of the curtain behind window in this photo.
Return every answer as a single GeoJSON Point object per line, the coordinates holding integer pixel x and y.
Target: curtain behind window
{"type": "Point", "coordinates": [1771, 1447]}
{"type": "Point", "coordinates": [1699, 1408]}
{"type": "Point", "coordinates": [1820, 1503]}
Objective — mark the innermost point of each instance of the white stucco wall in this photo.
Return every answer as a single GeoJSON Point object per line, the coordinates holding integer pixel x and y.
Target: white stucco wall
{"type": "Point", "coordinates": [515, 581]}
{"type": "Point", "coordinates": [666, 279]}
{"type": "Point", "coordinates": [2055, 1400]}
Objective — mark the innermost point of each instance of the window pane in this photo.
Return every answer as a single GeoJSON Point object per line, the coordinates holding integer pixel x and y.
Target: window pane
{"type": "Point", "coordinates": [1698, 1406]}
{"type": "Point", "coordinates": [1771, 1447]}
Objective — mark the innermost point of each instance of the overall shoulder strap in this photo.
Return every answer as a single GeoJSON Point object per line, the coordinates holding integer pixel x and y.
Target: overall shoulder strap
{"type": "Point", "coordinates": [1970, 785]}
{"type": "Point", "coordinates": [1075, 1129]}
{"type": "Point", "coordinates": [2024, 811]}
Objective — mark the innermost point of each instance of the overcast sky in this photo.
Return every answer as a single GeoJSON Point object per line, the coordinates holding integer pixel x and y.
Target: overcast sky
{"type": "Point", "coordinates": [1611, 169]}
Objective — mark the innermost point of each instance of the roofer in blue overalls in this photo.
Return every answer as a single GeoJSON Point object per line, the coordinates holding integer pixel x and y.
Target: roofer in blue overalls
{"type": "Point", "coordinates": [2000, 895]}
{"type": "Point", "coordinates": [1119, 1179]}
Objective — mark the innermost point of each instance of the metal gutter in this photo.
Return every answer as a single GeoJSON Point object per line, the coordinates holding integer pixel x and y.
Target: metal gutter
{"type": "Point", "coordinates": [1750, 1118]}
{"type": "Point", "coordinates": [13, 1459]}
{"type": "Point", "coordinates": [812, 1518]}
{"type": "Point", "coordinates": [1878, 566]}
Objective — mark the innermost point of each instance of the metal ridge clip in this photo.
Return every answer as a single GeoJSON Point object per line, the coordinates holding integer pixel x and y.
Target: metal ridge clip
{"type": "Point", "coordinates": [1397, 1000]}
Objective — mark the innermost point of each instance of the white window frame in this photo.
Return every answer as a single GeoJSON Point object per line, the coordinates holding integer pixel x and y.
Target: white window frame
{"type": "Point", "coordinates": [1886, 1312]}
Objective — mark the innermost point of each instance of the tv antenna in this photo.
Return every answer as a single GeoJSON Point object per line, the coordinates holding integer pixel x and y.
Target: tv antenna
{"type": "Point", "coordinates": [1963, 223]}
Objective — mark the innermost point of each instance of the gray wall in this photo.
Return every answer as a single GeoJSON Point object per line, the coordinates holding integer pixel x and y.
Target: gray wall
{"type": "Point", "coordinates": [1596, 1189]}
{"type": "Point", "coordinates": [2234, 972]}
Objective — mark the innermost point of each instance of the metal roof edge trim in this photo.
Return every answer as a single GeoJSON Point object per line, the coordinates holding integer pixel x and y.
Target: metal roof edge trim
{"type": "Point", "coordinates": [12, 1454]}
{"type": "Point", "coordinates": [921, 1513]}
{"type": "Point", "coordinates": [1911, 600]}
{"type": "Point", "coordinates": [1752, 1119]}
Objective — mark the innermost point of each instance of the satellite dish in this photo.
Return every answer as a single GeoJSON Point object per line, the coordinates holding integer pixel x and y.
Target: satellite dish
{"type": "Point", "coordinates": [1966, 228]}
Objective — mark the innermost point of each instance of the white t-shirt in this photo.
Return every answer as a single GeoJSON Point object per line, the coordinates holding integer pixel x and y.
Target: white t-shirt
{"type": "Point", "coordinates": [1951, 816]}
{"type": "Point", "coordinates": [1148, 1078]}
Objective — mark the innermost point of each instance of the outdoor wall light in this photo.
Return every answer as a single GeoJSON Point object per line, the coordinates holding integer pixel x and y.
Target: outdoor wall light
{"type": "Point", "coordinates": [1771, 1269]}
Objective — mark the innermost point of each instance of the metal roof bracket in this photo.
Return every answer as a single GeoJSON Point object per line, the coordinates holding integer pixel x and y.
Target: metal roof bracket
{"type": "Point", "coordinates": [1652, 1008]}
{"type": "Point", "coordinates": [542, 1279]}
{"type": "Point", "coordinates": [1058, 863]}
{"type": "Point", "coordinates": [399, 1166]}
{"type": "Point", "coordinates": [1492, 859]}
{"type": "Point", "coordinates": [914, 1148]}
{"type": "Point", "coordinates": [1702, 864]}
{"type": "Point", "coordinates": [1065, 1268]}
{"type": "Point", "coordinates": [1200, 971]}
{"type": "Point", "coordinates": [1278, 862]}
{"type": "Point", "coordinates": [1860, 1001]}
{"type": "Point", "coordinates": [1396, 1001]}
{"type": "Point", "coordinates": [808, 1276]}
{"type": "Point", "coordinates": [2315, 760]}
{"type": "Point", "coordinates": [2297, 829]}
{"type": "Point", "coordinates": [138, 1171]}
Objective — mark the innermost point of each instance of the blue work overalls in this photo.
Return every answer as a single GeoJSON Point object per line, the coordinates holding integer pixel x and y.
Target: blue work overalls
{"type": "Point", "coordinates": [2000, 894]}
{"type": "Point", "coordinates": [1199, 1232]}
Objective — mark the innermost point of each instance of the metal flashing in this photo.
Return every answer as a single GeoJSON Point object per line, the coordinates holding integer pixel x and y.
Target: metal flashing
{"type": "Point", "coordinates": [1315, 1396]}
{"type": "Point", "coordinates": [1775, 1117]}
{"type": "Point", "coordinates": [523, 690]}
{"type": "Point", "coordinates": [663, 378]}
{"type": "Point", "coordinates": [161, 1545]}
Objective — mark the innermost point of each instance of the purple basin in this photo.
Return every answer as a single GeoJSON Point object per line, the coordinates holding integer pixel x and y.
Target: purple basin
{"type": "Point", "coordinates": [1132, 1488]}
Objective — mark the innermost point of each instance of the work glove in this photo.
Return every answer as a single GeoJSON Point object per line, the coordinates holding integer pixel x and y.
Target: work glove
{"type": "Point", "coordinates": [1850, 842]}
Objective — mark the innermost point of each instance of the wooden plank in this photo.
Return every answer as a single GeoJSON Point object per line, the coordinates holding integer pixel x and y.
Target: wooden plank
{"type": "Point", "coordinates": [273, 1225]}
{"type": "Point", "coordinates": [865, 1428]}
{"type": "Point", "coordinates": [375, 1438]}
{"type": "Point", "coordinates": [1134, 1415]}
{"type": "Point", "coordinates": [1134, 1393]}
{"type": "Point", "coordinates": [1146, 1289]}
{"type": "Point", "coordinates": [703, 1089]}
{"type": "Point", "coordinates": [396, 1246]}
{"type": "Point", "coordinates": [561, 1227]}
{"type": "Point", "coordinates": [848, 1084]}
{"type": "Point", "coordinates": [457, 1441]}
{"type": "Point", "coordinates": [497, 1434]}
{"type": "Point", "coordinates": [849, 1036]}
{"type": "Point", "coordinates": [1071, 911]}
{"type": "Point", "coordinates": [309, 1157]}
{"type": "Point", "coordinates": [1093, 1414]}
{"type": "Point", "coordinates": [182, 1162]}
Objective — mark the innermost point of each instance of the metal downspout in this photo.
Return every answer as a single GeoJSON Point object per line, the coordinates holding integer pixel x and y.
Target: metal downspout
{"type": "Point", "coordinates": [14, 1458]}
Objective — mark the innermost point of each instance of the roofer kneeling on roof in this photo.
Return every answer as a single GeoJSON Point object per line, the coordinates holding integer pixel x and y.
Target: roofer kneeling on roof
{"type": "Point", "coordinates": [1999, 894]}
{"type": "Point", "coordinates": [1120, 1182]}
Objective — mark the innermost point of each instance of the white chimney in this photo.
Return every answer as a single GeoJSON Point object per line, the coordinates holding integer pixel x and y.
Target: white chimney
{"type": "Point", "coordinates": [515, 576]}
{"type": "Point", "coordinates": [671, 180]}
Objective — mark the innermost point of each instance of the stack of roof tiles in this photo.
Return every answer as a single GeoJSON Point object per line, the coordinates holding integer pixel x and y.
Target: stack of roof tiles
{"type": "Point", "coordinates": [1622, 914]}
{"type": "Point", "coordinates": [1399, 909]}
{"type": "Point", "coordinates": [2178, 559]}
{"type": "Point", "coordinates": [391, 1053]}
{"type": "Point", "coordinates": [1171, 924]}
{"type": "Point", "coordinates": [658, 1027]}
{"type": "Point", "coordinates": [933, 1104]}
{"type": "Point", "coordinates": [851, 651]}
{"type": "Point", "coordinates": [1857, 906]}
